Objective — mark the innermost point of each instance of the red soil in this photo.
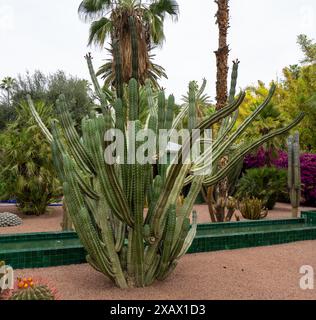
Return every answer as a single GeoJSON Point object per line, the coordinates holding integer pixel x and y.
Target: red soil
{"type": "Point", "coordinates": [256, 273]}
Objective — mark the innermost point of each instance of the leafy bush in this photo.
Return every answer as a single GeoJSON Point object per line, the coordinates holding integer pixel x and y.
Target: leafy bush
{"type": "Point", "coordinates": [27, 167]}
{"type": "Point", "coordinates": [266, 184]}
{"type": "Point", "coordinates": [46, 89]}
{"type": "Point", "coordinates": [308, 171]}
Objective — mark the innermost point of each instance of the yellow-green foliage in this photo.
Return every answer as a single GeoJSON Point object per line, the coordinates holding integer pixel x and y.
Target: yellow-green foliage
{"type": "Point", "coordinates": [295, 92]}
{"type": "Point", "coordinates": [252, 209]}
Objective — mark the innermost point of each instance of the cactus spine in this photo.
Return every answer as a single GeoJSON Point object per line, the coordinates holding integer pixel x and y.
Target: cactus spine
{"type": "Point", "coordinates": [106, 201]}
{"type": "Point", "coordinates": [294, 173]}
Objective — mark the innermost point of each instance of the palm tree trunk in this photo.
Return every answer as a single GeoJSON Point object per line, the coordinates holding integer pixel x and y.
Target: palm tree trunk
{"type": "Point", "coordinates": [222, 20]}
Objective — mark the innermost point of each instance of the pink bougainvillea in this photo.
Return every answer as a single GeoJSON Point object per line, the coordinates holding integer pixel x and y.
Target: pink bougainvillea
{"type": "Point", "coordinates": [308, 170]}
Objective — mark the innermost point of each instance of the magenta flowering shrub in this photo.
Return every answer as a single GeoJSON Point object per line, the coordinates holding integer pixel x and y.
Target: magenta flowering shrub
{"type": "Point", "coordinates": [308, 170]}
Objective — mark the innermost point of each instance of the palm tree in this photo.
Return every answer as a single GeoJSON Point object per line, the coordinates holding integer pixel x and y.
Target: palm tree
{"type": "Point", "coordinates": [110, 20]}
{"type": "Point", "coordinates": [222, 20]}
{"type": "Point", "coordinates": [7, 85]}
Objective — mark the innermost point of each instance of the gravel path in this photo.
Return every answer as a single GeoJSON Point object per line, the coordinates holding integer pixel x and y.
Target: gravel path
{"type": "Point", "coordinates": [48, 222]}
{"type": "Point", "coordinates": [256, 273]}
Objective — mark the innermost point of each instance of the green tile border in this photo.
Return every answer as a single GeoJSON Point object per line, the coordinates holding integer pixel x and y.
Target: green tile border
{"type": "Point", "coordinates": [75, 254]}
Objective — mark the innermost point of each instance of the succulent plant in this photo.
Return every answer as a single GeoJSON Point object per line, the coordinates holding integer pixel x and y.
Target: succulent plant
{"type": "Point", "coordinates": [294, 172]}
{"type": "Point", "coordinates": [106, 201]}
{"type": "Point", "coordinates": [8, 219]}
{"type": "Point", "coordinates": [28, 289]}
{"type": "Point", "coordinates": [253, 209]}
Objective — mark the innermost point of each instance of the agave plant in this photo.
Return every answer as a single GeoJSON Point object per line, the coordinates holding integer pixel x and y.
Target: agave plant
{"type": "Point", "coordinates": [106, 200]}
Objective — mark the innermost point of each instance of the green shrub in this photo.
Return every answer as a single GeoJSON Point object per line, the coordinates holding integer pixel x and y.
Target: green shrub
{"type": "Point", "coordinates": [266, 184]}
{"type": "Point", "coordinates": [27, 168]}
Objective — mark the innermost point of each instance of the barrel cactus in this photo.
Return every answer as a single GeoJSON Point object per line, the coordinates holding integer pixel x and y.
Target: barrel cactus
{"type": "Point", "coordinates": [28, 289]}
{"type": "Point", "coordinates": [8, 219]}
{"type": "Point", "coordinates": [106, 200]}
{"type": "Point", "coordinates": [253, 209]}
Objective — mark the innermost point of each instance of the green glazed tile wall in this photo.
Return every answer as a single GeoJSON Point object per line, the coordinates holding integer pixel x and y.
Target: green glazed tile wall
{"type": "Point", "coordinates": [37, 257]}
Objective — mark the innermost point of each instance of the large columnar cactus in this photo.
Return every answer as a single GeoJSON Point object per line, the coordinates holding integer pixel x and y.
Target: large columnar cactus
{"type": "Point", "coordinates": [294, 172]}
{"type": "Point", "coordinates": [106, 201]}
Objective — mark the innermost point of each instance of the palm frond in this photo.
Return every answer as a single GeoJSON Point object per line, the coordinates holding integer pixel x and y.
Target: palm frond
{"type": "Point", "coordinates": [99, 31]}
{"type": "Point", "coordinates": [163, 7]}
{"type": "Point", "coordinates": [90, 10]}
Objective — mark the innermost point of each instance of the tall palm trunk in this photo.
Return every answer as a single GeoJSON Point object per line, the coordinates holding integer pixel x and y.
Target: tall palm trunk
{"type": "Point", "coordinates": [217, 198]}
{"type": "Point", "coordinates": [222, 20]}
{"type": "Point", "coordinates": [122, 33]}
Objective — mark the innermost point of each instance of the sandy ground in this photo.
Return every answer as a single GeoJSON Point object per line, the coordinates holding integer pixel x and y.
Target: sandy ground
{"type": "Point", "coordinates": [254, 273]}
{"type": "Point", "coordinates": [48, 222]}
{"type": "Point", "coordinates": [52, 219]}
{"type": "Point", "coordinates": [263, 273]}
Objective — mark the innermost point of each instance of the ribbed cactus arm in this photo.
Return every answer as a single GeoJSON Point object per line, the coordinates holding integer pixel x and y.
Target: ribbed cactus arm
{"type": "Point", "coordinates": [74, 144]}
{"type": "Point", "coordinates": [192, 107]}
{"type": "Point", "coordinates": [174, 169]}
{"type": "Point", "coordinates": [250, 118]}
{"type": "Point", "coordinates": [190, 237]}
{"type": "Point", "coordinates": [38, 119]}
{"type": "Point", "coordinates": [135, 49]}
{"type": "Point", "coordinates": [180, 117]}
{"type": "Point", "coordinates": [167, 242]}
{"type": "Point", "coordinates": [170, 112]}
{"type": "Point", "coordinates": [110, 184]}
{"type": "Point", "coordinates": [118, 69]}
{"type": "Point", "coordinates": [229, 122]}
{"type": "Point", "coordinates": [150, 99]}
{"type": "Point", "coordinates": [133, 100]}
{"type": "Point", "coordinates": [219, 149]}
{"type": "Point", "coordinates": [168, 197]}
{"type": "Point", "coordinates": [243, 151]}
{"type": "Point", "coordinates": [294, 172]}
{"type": "Point", "coordinates": [105, 95]}
{"type": "Point", "coordinates": [223, 113]}
{"type": "Point", "coordinates": [290, 162]}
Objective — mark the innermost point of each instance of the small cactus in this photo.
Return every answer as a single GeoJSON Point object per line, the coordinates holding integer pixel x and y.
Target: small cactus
{"type": "Point", "coordinates": [252, 209]}
{"type": "Point", "coordinates": [28, 289]}
{"type": "Point", "coordinates": [8, 219]}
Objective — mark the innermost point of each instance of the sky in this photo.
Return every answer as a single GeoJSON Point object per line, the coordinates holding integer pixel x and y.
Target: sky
{"type": "Point", "coordinates": [47, 35]}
